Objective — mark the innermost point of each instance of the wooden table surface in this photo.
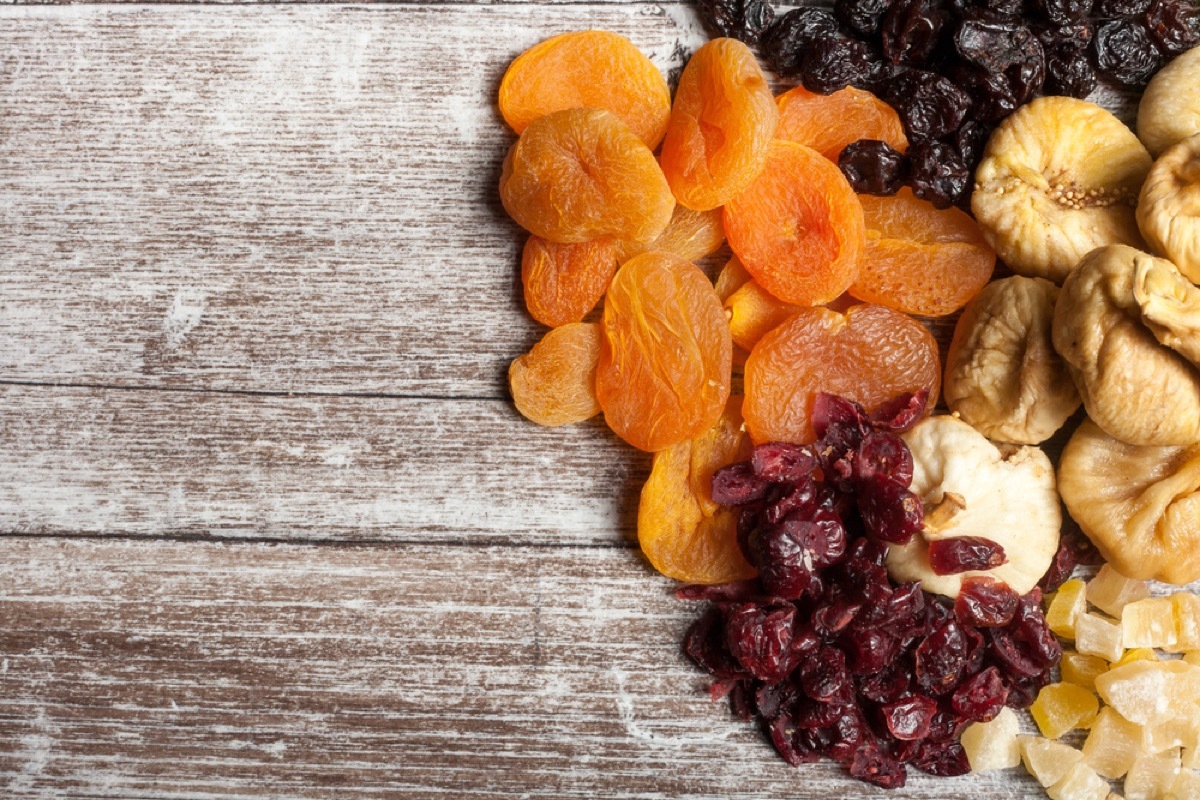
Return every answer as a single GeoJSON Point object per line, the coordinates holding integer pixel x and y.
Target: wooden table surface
{"type": "Point", "coordinates": [271, 527]}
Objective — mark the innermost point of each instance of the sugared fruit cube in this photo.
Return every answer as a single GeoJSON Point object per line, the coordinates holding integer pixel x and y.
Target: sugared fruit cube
{"type": "Point", "coordinates": [1110, 591]}
{"type": "Point", "coordinates": [993, 745]}
{"type": "Point", "coordinates": [1151, 776]}
{"type": "Point", "coordinates": [1063, 707]}
{"type": "Point", "coordinates": [1097, 636]}
{"type": "Point", "coordinates": [1186, 786]}
{"type": "Point", "coordinates": [1150, 692]}
{"type": "Point", "coordinates": [1080, 783]}
{"type": "Point", "coordinates": [1112, 745]}
{"type": "Point", "coordinates": [1137, 654]}
{"type": "Point", "coordinates": [1066, 606]}
{"type": "Point", "coordinates": [1046, 760]}
{"type": "Point", "coordinates": [1187, 621]}
{"type": "Point", "coordinates": [1149, 623]}
{"type": "Point", "coordinates": [1081, 669]}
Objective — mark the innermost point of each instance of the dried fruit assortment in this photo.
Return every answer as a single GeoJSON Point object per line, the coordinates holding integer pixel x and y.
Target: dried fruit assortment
{"type": "Point", "coordinates": [876, 575]}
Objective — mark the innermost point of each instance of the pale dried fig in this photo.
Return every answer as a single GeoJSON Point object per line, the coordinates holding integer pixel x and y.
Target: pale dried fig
{"type": "Point", "coordinates": [1003, 376]}
{"type": "Point", "coordinates": [1135, 388]}
{"type": "Point", "coordinates": [1170, 306]}
{"type": "Point", "coordinates": [1140, 506]}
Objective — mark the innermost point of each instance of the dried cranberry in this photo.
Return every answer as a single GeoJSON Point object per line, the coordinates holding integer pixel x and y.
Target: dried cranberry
{"type": "Point", "coordinates": [909, 718]}
{"type": "Point", "coordinates": [887, 685]}
{"type": "Point", "coordinates": [937, 173]}
{"type": "Point", "coordinates": [831, 620]}
{"type": "Point", "coordinates": [784, 735]}
{"type": "Point", "coordinates": [910, 31]}
{"type": "Point", "coordinates": [942, 758]}
{"type": "Point", "coordinates": [784, 565]}
{"type": "Point", "coordinates": [849, 731]}
{"type": "Point", "coordinates": [872, 167]}
{"type": "Point", "coordinates": [737, 485]}
{"type": "Point", "coordinates": [824, 676]}
{"type": "Point", "coordinates": [1024, 690]}
{"type": "Point", "coordinates": [781, 461]}
{"type": "Point", "coordinates": [1174, 24]}
{"type": "Point", "coordinates": [1126, 52]}
{"type": "Point", "coordinates": [985, 603]}
{"type": "Point", "coordinates": [1029, 627]}
{"type": "Point", "coordinates": [965, 553]}
{"type": "Point", "coordinates": [981, 696]}
{"type": "Point", "coordinates": [940, 659]}
{"type": "Point", "coordinates": [830, 410]}
{"type": "Point", "coordinates": [861, 16]}
{"type": "Point", "coordinates": [760, 638]}
{"type": "Point", "coordinates": [790, 36]}
{"type": "Point", "coordinates": [705, 645]}
{"type": "Point", "coordinates": [813, 714]}
{"type": "Point", "coordinates": [870, 651]}
{"type": "Point", "coordinates": [737, 592]}
{"type": "Point", "coordinates": [737, 19]}
{"type": "Point", "coordinates": [1060, 568]}
{"type": "Point", "coordinates": [901, 412]}
{"type": "Point", "coordinates": [889, 510]}
{"type": "Point", "coordinates": [776, 699]}
{"type": "Point", "coordinates": [835, 62]}
{"type": "Point", "coordinates": [885, 453]}
{"type": "Point", "coordinates": [789, 498]}
{"type": "Point", "coordinates": [872, 765]}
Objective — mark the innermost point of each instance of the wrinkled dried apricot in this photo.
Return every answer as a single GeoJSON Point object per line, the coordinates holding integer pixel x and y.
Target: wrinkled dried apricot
{"type": "Point", "coordinates": [798, 227]}
{"type": "Point", "coordinates": [581, 174]}
{"type": "Point", "coordinates": [721, 124]}
{"type": "Point", "coordinates": [563, 282]}
{"type": "Point", "coordinates": [665, 356]}
{"type": "Point", "coordinates": [753, 312]}
{"type": "Point", "coordinates": [683, 533]}
{"type": "Point", "coordinates": [587, 69]}
{"type": "Point", "coordinates": [870, 354]}
{"type": "Point", "coordinates": [829, 122]}
{"type": "Point", "coordinates": [691, 235]}
{"type": "Point", "coordinates": [919, 259]}
{"type": "Point", "coordinates": [732, 277]}
{"type": "Point", "coordinates": [554, 383]}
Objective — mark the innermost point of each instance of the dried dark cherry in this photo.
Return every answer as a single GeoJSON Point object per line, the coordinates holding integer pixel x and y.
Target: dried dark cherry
{"type": "Point", "coordinates": [1069, 72]}
{"type": "Point", "coordinates": [910, 30]}
{"type": "Point", "coordinates": [737, 19]}
{"type": "Point", "coordinates": [786, 40]}
{"type": "Point", "coordinates": [861, 16]}
{"type": "Point", "coordinates": [938, 174]}
{"type": "Point", "coordinates": [835, 62]}
{"type": "Point", "coordinates": [929, 105]}
{"type": "Point", "coordinates": [1174, 24]}
{"type": "Point", "coordinates": [1126, 52]}
{"type": "Point", "coordinates": [872, 167]}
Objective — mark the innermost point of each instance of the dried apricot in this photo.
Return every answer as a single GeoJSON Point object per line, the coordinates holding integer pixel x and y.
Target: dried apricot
{"type": "Point", "coordinates": [554, 383]}
{"type": "Point", "coordinates": [683, 533]}
{"type": "Point", "coordinates": [581, 174]}
{"type": "Point", "coordinates": [563, 282]}
{"type": "Point", "coordinates": [691, 235]}
{"type": "Point", "coordinates": [665, 357]}
{"type": "Point", "coordinates": [829, 122]}
{"type": "Point", "coordinates": [870, 354]}
{"type": "Point", "coordinates": [587, 69]}
{"type": "Point", "coordinates": [753, 312]}
{"type": "Point", "coordinates": [721, 124]}
{"type": "Point", "coordinates": [732, 277]}
{"type": "Point", "coordinates": [798, 227]}
{"type": "Point", "coordinates": [919, 259]}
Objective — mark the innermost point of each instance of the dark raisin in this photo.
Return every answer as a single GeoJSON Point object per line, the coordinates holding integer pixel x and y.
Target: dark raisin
{"type": "Point", "coordinates": [1065, 12]}
{"type": "Point", "coordinates": [957, 554]}
{"type": "Point", "coordinates": [929, 105]}
{"type": "Point", "coordinates": [1174, 24]}
{"type": "Point", "coordinates": [1125, 51]}
{"type": "Point", "coordinates": [1069, 72]}
{"type": "Point", "coordinates": [985, 603]}
{"type": "Point", "coordinates": [910, 31]}
{"type": "Point", "coordinates": [1078, 34]}
{"type": "Point", "coordinates": [872, 167]}
{"type": "Point", "coordinates": [835, 62]}
{"type": "Point", "coordinates": [786, 40]}
{"type": "Point", "coordinates": [938, 173]}
{"type": "Point", "coordinates": [737, 19]}
{"type": "Point", "coordinates": [861, 16]}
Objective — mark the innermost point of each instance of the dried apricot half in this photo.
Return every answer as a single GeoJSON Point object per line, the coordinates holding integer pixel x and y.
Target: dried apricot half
{"type": "Point", "coordinates": [870, 354]}
{"type": "Point", "coordinates": [666, 355]}
{"type": "Point", "coordinates": [752, 312]}
{"type": "Point", "coordinates": [798, 227]}
{"type": "Point", "coordinates": [563, 282]}
{"type": "Point", "coordinates": [721, 124]}
{"type": "Point", "coordinates": [581, 174]}
{"type": "Point", "coordinates": [829, 122]}
{"type": "Point", "coordinates": [587, 69]}
{"type": "Point", "coordinates": [691, 235]}
{"type": "Point", "coordinates": [554, 383]}
{"type": "Point", "coordinates": [683, 533]}
{"type": "Point", "coordinates": [919, 259]}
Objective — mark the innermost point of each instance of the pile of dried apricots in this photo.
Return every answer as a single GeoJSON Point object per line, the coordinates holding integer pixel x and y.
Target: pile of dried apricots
{"type": "Point", "coordinates": [815, 299]}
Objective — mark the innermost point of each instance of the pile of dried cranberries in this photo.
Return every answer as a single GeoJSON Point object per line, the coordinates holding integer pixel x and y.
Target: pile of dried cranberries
{"type": "Point", "coordinates": [832, 656]}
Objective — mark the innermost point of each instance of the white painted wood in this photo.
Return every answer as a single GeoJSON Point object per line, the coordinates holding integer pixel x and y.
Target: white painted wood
{"type": "Point", "coordinates": [211, 672]}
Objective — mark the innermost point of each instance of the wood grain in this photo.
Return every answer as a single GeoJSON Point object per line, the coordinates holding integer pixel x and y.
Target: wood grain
{"type": "Point", "coordinates": [149, 463]}
{"type": "Point", "coordinates": [272, 198]}
{"type": "Point", "coordinates": [171, 670]}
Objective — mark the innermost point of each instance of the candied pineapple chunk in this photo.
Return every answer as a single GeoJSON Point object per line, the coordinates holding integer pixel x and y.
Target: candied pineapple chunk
{"type": "Point", "coordinates": [1150, 692]}
{"type": "Point", "coordinates": [1187, 621]}
{"type": "Point", "coordinates": [1063, 707]}
{"type": "Point", "coordinates": [1149, 623]}
{"type": "Point", "coordinates": [1151, 775]}
{"type": "Point", "coordinates": [1110, 591]}
{"type": "Point", "coordinates": [1186, 786]}
{"type": "Point", "coordinates": [1097, 636]}
{"type": "Point", "coordinates": [992, 745]}
{"type": "Point", "coordinates": [1192, 658]}
{"type": "Point", "coordinates": [1046, 760]}
{"type": "Point", "coordinates": [1181, 731]}
{"type": "Point", "coordinates": [1080, 783]}
{"type": "Point", "coordinates": [1137, 654]}
{"type": "Point", "coordinates": [1081, 669]}
{"type": "Point", "coordinates": [1066, 607]}
{"type": "Point", "coordinates": [1113, 744]}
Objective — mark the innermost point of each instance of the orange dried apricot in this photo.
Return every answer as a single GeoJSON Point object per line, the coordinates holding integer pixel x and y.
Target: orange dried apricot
{"type": "Point", "coordinates": [665, 356]}
{"type": "Point", "coordinates": [919, 259]}
{"type": "Point", "coordinates": [732, 277]}
{"type": "Point", "coordinates": [554, 383]}
{"type": "Point", "coordinates": [798, 227]}
{"type": "Point", "coordinates": [691, 235]}
{"type": "Point", "coordinates": [829, 122]}
{"type": "Point", "coordinates": [721, 124]}
{"type": "Point", "coordinates": [870, 354]}
{"type": "Point", "coordinates": [752, 312]}
{"type": "Point", "coordinates": [683, 533]}
{"type": "Point", "coordinates": [587, 69]}
{"type": "Point", "coordinates": [581, 174]}
{"type": "Point", "coordinates": [563, 282]}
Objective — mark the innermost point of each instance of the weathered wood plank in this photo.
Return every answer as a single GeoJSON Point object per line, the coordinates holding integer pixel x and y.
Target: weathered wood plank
{"type": "Point", "coordinates": [269, 198]}
{"type": "Point", "coordinates": [168, 670]}
{"type": "Point", "coordinates": [146, 463]}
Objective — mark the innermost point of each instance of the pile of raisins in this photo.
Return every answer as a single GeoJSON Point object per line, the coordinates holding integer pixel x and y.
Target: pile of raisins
{"type": "Point", "coordinates": [953, 69]}
{"type": "Point", "coordinates": [831, 656]}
